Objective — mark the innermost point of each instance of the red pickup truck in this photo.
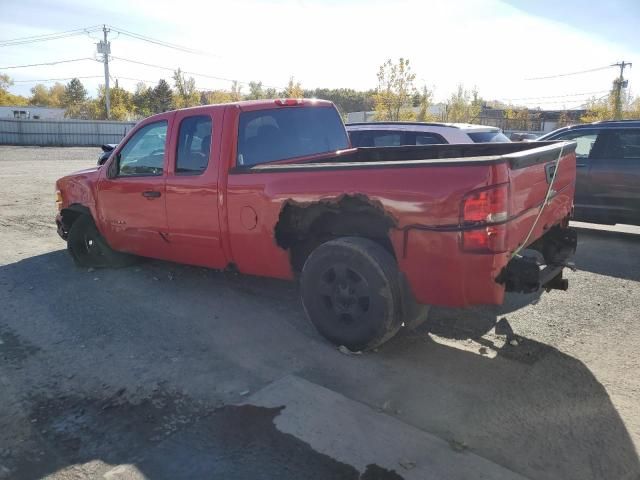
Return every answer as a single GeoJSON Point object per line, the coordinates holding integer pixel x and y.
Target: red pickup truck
{"type": "Point", "coordinates": [374, 235]}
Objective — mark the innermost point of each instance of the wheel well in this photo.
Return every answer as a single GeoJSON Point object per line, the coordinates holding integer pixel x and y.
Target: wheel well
{"type": "Point", "coordinates": [72, 213]}
{"type": "Point", "coordinates": [302, 227]}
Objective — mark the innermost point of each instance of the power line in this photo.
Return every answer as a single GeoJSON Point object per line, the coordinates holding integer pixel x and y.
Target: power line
{"type": "Point", "coordinates": [571, 73]}
{"type": "Point", "coordinates": [558, 96]}
{"type": "Point", "coordinates": [43, 80]}
{"type": "Point", "coordinates": [46, 37]}
{"type": "Point", "coordinates": [197, 74]}
{"type": "Point", "coordinates": [48, 63]}
{"type": "Point", "coordinates": [161, 43]}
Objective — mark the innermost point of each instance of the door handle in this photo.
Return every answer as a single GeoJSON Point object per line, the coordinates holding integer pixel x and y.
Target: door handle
{"type": "Point", "coordinates": [151, 194]}
{"type": "Point", "coordinates": [581, 165]}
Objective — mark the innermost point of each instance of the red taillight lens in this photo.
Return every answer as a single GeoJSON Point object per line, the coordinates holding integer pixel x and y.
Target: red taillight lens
{"type": "Point", "coordinates": [486, 206]}
{"type": "Point", "coordinates": [289, 102]}
{"type": "Point", "coordinates": [489, 239]}
{"type": "Point", "coordinates": [483, 209]}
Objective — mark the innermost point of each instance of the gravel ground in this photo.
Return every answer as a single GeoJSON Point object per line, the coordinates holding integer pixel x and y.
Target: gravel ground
{"type": "Point", "coordinates": [99, 368]}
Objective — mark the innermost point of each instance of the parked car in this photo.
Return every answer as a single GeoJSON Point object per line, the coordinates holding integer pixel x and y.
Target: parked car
{"type": "Point", "coordinates": [390, 134]}
{"type": "Point", "coordinates": [522, 137]}
{"type": "Point", "coordinates": [608, 170]}
{"type": "Point", "coordinates": [375, 235]}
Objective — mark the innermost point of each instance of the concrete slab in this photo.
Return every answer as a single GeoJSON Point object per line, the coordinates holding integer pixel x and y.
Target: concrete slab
{"type": "Point", "coordinates": [357, 435]}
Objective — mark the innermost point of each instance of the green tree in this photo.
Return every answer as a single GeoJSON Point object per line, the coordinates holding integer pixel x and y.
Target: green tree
{"type": "Point", "coordinates": [346, 99]}
{"type": "Point", "coordinates": [142, 100]}
{"type": "Point", "coordinates": [236, 91]}
{"type": "Point", "coordinates": [7, 98]}
{"type": "Point", "coordinates": [162, 97]}
{"type": "Point", "coordinates": [393, 98]}
{"type": "Point", "coordinates": [424, 102]}
{"type": "Point", "coordinates": [186, 94]}
{"type": "Point", "coordinates": [215, 97]}
{"type": "Point", "coordinates": [74, 93]}
{"type": "Point", "coordinates": [256, 92]}
{"type": "Point", "coordinates": [463, 106]}
{"type": "Point", "coordinates": [293, 89]}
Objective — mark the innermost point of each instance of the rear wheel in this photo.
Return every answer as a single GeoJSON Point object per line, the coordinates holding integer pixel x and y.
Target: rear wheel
{"type": "Point", "coordinates": [89, 249]}
{"type": "Point", "coordinates": [351, 291]}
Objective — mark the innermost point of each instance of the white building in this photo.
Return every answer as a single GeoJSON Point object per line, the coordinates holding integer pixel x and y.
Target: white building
{"type": "Point", "coordinates": [31, 112]}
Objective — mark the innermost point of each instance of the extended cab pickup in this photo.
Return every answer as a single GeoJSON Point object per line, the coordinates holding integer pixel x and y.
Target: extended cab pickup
{"type": "Point", "coordinates": [375, 235]}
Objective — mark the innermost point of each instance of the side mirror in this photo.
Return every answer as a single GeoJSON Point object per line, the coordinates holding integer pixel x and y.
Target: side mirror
{"type": "Point", "coordinates": [112, 171]}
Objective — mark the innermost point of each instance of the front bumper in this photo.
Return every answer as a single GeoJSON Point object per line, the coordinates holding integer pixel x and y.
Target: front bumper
{"type": "Point", "coordinates": [62, 231]}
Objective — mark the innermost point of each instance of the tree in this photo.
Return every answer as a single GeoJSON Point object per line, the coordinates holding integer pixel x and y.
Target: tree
{"type": "Point", "coordinates": [425, 101]}
{"type": "Point", "coordinates": [256, 92]}
{"type": "Point", "coordinates": [346, 99]}
{"type": "Point", "coordinates": [74, 93]}
{"type": "Point", "coordinates": [7, 98]}
{"type": "Point", "coordinates": [463, 106]}
{"type": "Point", "coordinates": [186, 94]}
{"type": "Point", "coordinates": [56, 94]}
{"type": "Point", "coordinates": [142, 100]}
{"type": "Point", "coordinates": [162, 97]}
{"type": "Point", "coordinates": [293, 90]}
{"type": "Point", "coordinates": [40, 95]}
{"type": "Point", "coordinates": [394, 95]}
{"type": "Point", "coordinates": [214, 97]}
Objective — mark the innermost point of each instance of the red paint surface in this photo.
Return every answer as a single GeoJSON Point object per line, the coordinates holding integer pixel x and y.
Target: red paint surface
{"type": "Point", "coordinates": [204, 219]}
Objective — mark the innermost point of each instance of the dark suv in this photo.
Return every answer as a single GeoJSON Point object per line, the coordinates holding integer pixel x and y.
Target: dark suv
{"type": "Point", "coordinates": [608, 170]}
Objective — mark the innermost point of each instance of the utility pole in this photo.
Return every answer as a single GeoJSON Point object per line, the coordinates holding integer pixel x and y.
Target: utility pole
{"type": "Point", "coordinates": [618, 84]}
{"type": "Point", "coordinates": [104, 47]}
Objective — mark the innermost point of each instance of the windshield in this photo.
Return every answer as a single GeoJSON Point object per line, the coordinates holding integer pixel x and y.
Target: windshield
{"type": "Point", "coordinates": [488, 137]}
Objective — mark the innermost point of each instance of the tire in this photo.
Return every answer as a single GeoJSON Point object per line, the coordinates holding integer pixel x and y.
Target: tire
{"type": "Point", "coordinates": [89, 249]}
{"type": "Point", "coordinates": [352, 292]}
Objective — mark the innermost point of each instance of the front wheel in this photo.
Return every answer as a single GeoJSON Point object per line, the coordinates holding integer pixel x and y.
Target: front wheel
{"type": "Point", "coordinates": [89, 249]}
{"type": "Point", "coordinates": [352, 292]}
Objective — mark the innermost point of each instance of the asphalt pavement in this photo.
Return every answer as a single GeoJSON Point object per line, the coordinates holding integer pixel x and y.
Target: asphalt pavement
{"type": "Point", "coordinates": [168, 371]}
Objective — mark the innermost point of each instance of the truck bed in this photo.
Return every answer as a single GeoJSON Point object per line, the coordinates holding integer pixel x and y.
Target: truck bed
{"type": "Point", "coordinates": [423, 205]}
{"type": "Point", "coordinates": [518, 155]}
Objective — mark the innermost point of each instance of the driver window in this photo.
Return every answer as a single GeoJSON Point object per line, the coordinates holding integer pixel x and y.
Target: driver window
{"type": "Point", "coordinates": [144, 152]}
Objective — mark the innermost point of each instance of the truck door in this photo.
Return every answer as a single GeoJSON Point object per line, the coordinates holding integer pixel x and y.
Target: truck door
{"type": "Point", "coordinates": [131, 193]}
{"type": "Point", "coordinates": [192, 189]}
{"type": "Point", "coordinates": [615, 174]}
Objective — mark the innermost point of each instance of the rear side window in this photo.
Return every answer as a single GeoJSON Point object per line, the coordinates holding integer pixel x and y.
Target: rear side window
{"type": "Point", "coordinates": [283, 133]}
{"type": "Point", "coordinates": [429, 139]}
{"type": "Point", "coordinates": [488, 137]}
{"type": "Point", "coordinates": [381, 138]}
{"type": "Point", "coordinates": [623, 144]}
{"type": "Point", "coordinates": [194, 145]}
{"type": "Point", "coordinates": [370, 138]}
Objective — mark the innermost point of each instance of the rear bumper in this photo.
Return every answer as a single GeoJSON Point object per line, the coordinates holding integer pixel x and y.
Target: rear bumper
{"type": "Point", "coordinates": [440, 273]}
{"type": "Point", "coordinates": [541, 265]}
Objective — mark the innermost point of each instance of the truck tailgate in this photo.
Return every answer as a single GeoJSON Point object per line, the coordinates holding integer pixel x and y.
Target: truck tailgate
{"type": "Point", "coordinates": [530, 174]}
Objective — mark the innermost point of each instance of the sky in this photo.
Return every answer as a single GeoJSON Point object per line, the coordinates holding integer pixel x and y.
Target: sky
{"type": "Point", "coordinates": [499, 47]}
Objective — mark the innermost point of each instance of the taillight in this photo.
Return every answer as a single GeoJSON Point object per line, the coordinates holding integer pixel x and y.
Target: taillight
{"type": "Point", "coordinates": [289, 102]}
{"type": "Point", "coordinates": [479, 213]}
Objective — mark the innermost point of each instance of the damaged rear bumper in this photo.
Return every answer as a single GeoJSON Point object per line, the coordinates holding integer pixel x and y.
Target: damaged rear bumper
{"type": "Point", "coordinates": [541, 265]}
